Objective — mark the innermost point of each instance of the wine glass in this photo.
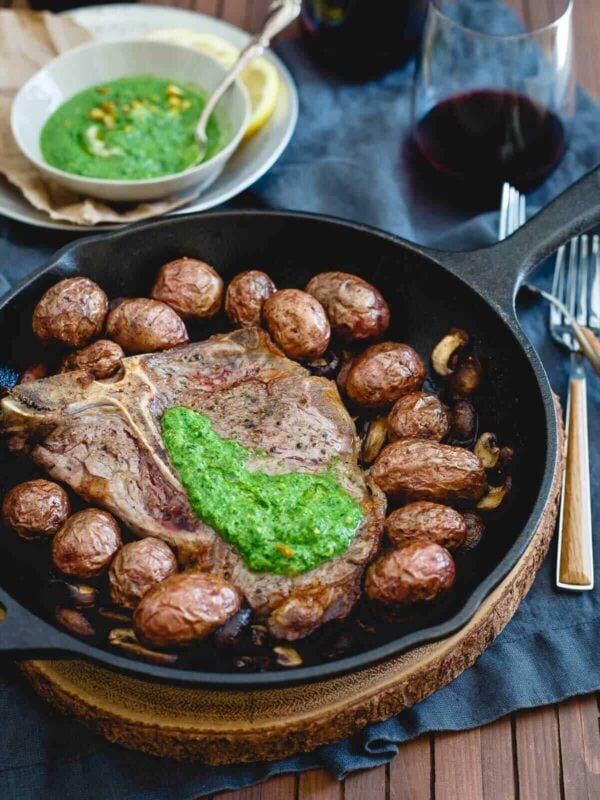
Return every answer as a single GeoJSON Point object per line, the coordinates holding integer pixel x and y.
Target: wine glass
{"type": "Point", "coordinates": [494, 97]}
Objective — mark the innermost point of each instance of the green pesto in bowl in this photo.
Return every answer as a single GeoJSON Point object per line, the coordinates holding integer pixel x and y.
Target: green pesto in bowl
{"type": "Point", "coordinates": [133, 128]}
{"type": "Point", "coordinates": [285, 523]}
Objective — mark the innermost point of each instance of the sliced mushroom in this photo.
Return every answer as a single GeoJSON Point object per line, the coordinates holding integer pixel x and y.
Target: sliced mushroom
{"type": "Point", "coordinates": [230, 634]}
{"type": "Point", "coordinates": [58, 592]}
{"type": "Point", "coordinates": [466, 379]}
{"type": "Point", "coordinates": [125, 640]}
{"type": "Point", "coordinates": [114, 614]}
{"type": "Point", "coordinates": [505, 460]}
{"type": "Point", "coordinates": [475, 529]}
{"type": "Point", "coordinates": [374, 439]}
{"type": "Point", "coordinates": [259, 635]}
{"type": "Point", "coordinates": [444, 357]}
{"type": "Point", "coordinates": [74, 622]}
{"type": "Point", "coordinates": [463, 423]}
{"type": "Point", "coordinates": [325, 366]}
{"type": "Point", "coordinates": [487, 450]}
{"type": "Point", "coordinates": [287, 657]}
{"type": "Point", "coordinates": [258, 662]}
{"type": "Point", "coordinates": [82, 595]}
{"type": "Point", "coordinates": [495, 496]}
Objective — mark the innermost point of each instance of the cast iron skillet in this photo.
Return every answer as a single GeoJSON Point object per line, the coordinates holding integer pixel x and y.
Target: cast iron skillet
{"type": "Point", "coordinates": [429, 292]}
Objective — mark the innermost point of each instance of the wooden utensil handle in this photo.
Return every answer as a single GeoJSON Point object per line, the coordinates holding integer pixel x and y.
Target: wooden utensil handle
{"type": "Point", "coordinates": [575, 563]}
{"type": "Point", "coordinates": [593, 341]}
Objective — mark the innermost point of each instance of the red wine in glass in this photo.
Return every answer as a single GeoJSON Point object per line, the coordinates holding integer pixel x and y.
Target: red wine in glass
{"type": "Point", "coordinates": [484, 137]}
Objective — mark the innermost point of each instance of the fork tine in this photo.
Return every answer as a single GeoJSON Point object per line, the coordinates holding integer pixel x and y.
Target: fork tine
{"type": "Point", "coordinates": [522, 214]}
{"type": "Point", "coordinates": [504, 209]}
{"type": "Point", "coordinates": [514, 203]}
{"type": "Point", "coordinates": [594, 310]}
{"type": "Point", "coordinates": [571, 285]}
{"type": "Point", "coordinates": [581, 282]}
{"type": "Point", "coordinates": [558, 287]}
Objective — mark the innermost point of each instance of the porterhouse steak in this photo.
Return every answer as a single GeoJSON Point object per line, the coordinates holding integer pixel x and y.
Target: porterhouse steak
{"type": "Point", "coordinates": [103, 439]}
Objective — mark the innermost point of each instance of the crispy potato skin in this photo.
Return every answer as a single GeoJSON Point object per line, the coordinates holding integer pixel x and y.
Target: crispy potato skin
{"type": "Point", "coordinates": [382, 373]}
{"type": "Point", "coordinates": [184, 608]}
{"type": "Point", "coordinates": [86, 543]}
{"type": "Point", "coordinates": [137, 567]}
{"type": "Point", "coordinates": [35, 508]}
{"type": "Point", "coordinates": [298, 324]}
{"type": "Point", "coordinates": [245, 297]}
{"type": "Point", "coordinates": [425, 521]}
{"type": "Point", "coordinates": [356, 309]}
{"type": "Point", "coordinates": [295, 618]}
{"type": "Point", "coordinates": [418, 415]}
{"type": "Point", "coordinates": [101, 358]}
{"type": "Point", "coordinates": [418, 469]}
{"type": "Point", "coordinates": [141, 325]}
{"type": "Point", "coordinates": [71, 313]}
{"type": "Point", "coordinates": [419, 571]}
{"type": "Point", "coordinates": [191, 287]}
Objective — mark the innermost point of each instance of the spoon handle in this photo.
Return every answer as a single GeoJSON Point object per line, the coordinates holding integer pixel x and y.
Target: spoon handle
{"type": "Point", "coordinates": [279, 16]}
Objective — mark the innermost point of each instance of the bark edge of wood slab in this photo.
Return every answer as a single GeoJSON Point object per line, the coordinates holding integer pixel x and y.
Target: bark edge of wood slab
{"type": "Point", "coordinates": [227, 727]}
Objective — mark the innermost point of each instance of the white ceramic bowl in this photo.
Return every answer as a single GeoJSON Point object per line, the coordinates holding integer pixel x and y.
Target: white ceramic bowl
{"type": "Point", "coordinates": [98, 62]}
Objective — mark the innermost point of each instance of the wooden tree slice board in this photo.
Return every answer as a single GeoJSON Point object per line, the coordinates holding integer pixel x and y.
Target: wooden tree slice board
{"type": "Point", "coordinates": [224, 727]}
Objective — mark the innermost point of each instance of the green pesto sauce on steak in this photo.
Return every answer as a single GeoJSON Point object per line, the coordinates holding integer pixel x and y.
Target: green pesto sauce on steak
{"type": "Point", "coordinates": [286, 523]}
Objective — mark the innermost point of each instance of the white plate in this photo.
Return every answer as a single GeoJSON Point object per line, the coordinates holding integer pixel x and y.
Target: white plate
{"type": "Point", "coordinates": [250, 162]}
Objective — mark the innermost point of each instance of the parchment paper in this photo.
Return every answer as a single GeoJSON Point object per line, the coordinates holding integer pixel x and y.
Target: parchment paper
{"type": "Point", "coordinates": [28, 40]}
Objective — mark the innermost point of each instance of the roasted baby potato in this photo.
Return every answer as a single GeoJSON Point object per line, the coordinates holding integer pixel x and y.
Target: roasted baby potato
{"type": "Point", "coordinates": [355, 308]}
{"type": "Point", "coordinates": [137, 567]}
{"type": "Point", "coordinates": [184, 608]}
{"type": "Point", "coordinates": [425, 521]}
{"type": "Point", "coordinates": [191, 287]}
{"type": "Point", "coordinates": [295, 618]}
{"type": "Point", "coordinates": [70, 313]}
{"type": "Point", "coordinates": [410, 574]}
{"type": "Point", "coordinates": [382, 373]}
{"type": "Point", "coordinates": [101, 358]}
{"type": "Point", "coordinates": [418, 415]}
{"type": "Point", "coordinates": [245, 297]}
{"type": "Point", "coordinates": [140, 325]}
{"type": "Point", "coordinates": [418, 469]}
{"type": "Point", "coordinates": [86, 543]}
{"type": "Point", "coordinates": [35, 508]}
{"type": "Point", "coordinates": [298, 324]}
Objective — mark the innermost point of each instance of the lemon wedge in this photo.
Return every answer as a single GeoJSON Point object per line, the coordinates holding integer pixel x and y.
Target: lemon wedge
{"type": "Point", "coordinates": [260, 78]}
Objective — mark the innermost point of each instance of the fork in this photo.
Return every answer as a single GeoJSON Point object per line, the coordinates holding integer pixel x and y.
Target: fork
{"type": "Point", "coordinates": [576, 287]}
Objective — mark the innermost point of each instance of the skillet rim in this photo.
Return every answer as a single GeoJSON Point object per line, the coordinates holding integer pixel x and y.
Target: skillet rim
{"type": "Point", "coordinates": [66, 645]}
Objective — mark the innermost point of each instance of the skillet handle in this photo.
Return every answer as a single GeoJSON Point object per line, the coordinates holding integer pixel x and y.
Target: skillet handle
{"type": "Point", "coordinates": [499, 270]}
{"type": "Point", "coordinates": [24, 634]}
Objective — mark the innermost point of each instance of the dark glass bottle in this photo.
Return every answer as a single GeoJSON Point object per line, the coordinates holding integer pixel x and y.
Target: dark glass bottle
{"type": "Point", "coordinates": [361, 39]}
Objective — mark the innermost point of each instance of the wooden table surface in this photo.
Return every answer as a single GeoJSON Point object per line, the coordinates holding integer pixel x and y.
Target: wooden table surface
{"type": "Point", "coordinates": [549, 753]}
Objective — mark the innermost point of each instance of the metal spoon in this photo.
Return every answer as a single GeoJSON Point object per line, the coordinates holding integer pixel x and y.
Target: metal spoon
{"type": "Point", "coordinates": [279, 16]}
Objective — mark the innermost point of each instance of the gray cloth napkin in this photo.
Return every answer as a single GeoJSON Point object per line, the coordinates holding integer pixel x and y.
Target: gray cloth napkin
{"type": "Point", "coordinates": [349, 157]}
